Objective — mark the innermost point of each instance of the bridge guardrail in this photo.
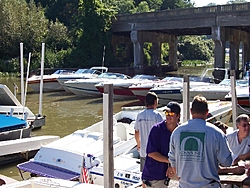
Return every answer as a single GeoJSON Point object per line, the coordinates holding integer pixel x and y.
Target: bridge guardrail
{"type": "Point", "coordinates": [219, 9]}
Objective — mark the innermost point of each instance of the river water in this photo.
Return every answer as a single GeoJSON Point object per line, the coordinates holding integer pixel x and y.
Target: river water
{"type": "Point", "coordinates": [66, 113]}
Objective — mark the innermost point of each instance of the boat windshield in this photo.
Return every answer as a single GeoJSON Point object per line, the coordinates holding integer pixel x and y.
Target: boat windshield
{"type": "Point", "coordinates": [113, 76]}
{"type": "Point", "coordinates": [227, 82]}
{"type": "Point", "coordinates": [60, 71]}
{"type": "Point", "coordinates": [147, 77]}
{"type": "Point", "coordinates": [81, 71]}
{"type": "Point", "coordinates": [174, 79]}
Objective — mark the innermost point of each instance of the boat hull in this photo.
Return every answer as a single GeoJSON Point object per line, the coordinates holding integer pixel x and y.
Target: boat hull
{"type": "Point", "coordinates": [165, 96]}
{"type": "Point", "coordinates": [48, 86]}
{"type": "Point", "coordinates": [15, 134]}
{"type": "Point", "coordinates": [119, 92]}
{"type": "Point", "coordinates": [83, 89]}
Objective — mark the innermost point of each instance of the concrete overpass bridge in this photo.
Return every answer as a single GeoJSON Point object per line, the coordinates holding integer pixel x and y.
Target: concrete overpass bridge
{"type": "Point", "coordinates": [225, 23]}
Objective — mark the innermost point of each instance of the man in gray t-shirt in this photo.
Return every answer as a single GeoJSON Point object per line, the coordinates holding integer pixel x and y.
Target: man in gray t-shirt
{"type": "Point", "coordinates": [144, 121]}
{"type": "Point", "coordinates": [197, 148]}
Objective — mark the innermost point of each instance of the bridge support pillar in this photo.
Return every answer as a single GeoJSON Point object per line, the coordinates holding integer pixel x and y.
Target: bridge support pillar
{"type": "Point", "coordinates": [129, 51]}
{"type": "Point", "coordinates": [234, 43]}
{"type": "Point", "coordinates": [245, 49]}
{"type": "Point", "coordinates": [138, 49]}
{"type": "Point", "coordinates": [173, 51]}
{"type": "Point", "coordinates": [219, 49]}
{"type": "Point", "coordinates": [156, 53]}
{"type": "Point", "coordinates": [245, 53]}
{"type": "Point", "coordinates": [234, 55]}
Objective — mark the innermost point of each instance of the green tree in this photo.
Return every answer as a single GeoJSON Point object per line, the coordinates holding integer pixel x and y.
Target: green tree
{"type": "Point", "coordinates": [125, 6]}
{"type": "Point", "coordinates": [236, 1]}
{"type": "Point", "coordinates": [94, 24]}
{"type": "Point", "coordinates": [195, 48]}
{"type": "Point", "coordinates": [21, 22]}
{"type": "Point", "coordinates": [142, 7]}
{"type": "Point", "coordinates": [211, 4]}
{"type": "Point", "coordinates": [174, 4]}
{"type": "Point", "coordinates": [64, 10]}
{"type": "Point", "coordinates": [57, 37]}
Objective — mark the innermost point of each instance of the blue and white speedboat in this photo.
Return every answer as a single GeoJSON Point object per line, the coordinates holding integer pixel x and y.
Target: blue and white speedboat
{"type": "Point", "coordinates": [86, 87]}
{"type": "Point", "coordinates": [13, 128]}
{"type": "Point", "coordinates": [8, 103]}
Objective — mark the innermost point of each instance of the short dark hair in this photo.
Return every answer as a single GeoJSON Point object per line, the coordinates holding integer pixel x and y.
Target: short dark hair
{"type": "Point", "coordinates": [199, 105]}
{"type": "Point", "coordinates": [150, 98]}
{"type": "Point", "coordinates": [174, 107]}
{"type": "Point", "coordinates": [242, 117]}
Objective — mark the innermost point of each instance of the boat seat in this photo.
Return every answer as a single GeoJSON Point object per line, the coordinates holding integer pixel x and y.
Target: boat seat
{"type": "Point", "coordinates": [120, 131]}
{"type": "Point", "coordinates": [131, 130]}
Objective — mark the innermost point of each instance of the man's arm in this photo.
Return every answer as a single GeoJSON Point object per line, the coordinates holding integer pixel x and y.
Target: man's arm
{"type": "Point", "coordinates": [242, 157]}
{"type": "Point", "coordinates": [137, 139]}
{"type": "Point", "coordinates": [238, 170]}
{"type": "Point", "coordinates": [158, 157]}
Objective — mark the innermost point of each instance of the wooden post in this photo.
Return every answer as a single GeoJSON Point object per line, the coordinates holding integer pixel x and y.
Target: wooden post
{"type": "Point", "coordinates": [185, 99]}
{"type": "Point", "coordinates": [108, 160]}
{"type": "Point", "coordinates": [234, 97]}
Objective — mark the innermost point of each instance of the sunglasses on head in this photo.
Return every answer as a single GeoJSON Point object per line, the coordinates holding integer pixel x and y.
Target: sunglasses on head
{"type": "Point", "coordinates": [169, 113]}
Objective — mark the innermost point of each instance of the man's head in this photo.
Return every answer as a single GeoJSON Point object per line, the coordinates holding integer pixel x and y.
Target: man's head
{"type": "Point", "coordinates": [242, 123]}
{"type": "Point", "coordinates": [222, 126]}
{"type": "Point", "coordinates": [151, 99]}
{"type": "Point", "coordinates": [173, 112]}
{"type": "Point", "coordinates": [199, 108]}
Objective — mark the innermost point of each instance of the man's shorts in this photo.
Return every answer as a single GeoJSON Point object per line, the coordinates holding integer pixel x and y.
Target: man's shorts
{"type": "Point", "coordinates": [142, 163]}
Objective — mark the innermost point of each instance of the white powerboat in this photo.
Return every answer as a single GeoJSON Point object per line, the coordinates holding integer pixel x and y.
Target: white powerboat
{"type": "Point", "coordinates": [172, 91]}
{"type": "Point", "coordinates": [50, 82]}
{"type": "Point", "coordinates": [140, 90]}
{"type": "Point", "coordinates": [63, 158]}
{"type": "Point", "coordinates": [9, 103]}
{"type": "Point", "coordinates": [216, 91]}
{"type": "Point", "coordinates": [13, 128]}
{"type": "Point", "coordinates": [121, 87]}
{"type": "Point", "coordinates": [243, 97]}
{"type": "Point", "coordinates": [86, 87]}
{"type": "Point", "coordinates": [43, 182]}
{"type": "Point", "coordinates": [93, 72]}
{"type": "Point", "coordinates": [22, 148]}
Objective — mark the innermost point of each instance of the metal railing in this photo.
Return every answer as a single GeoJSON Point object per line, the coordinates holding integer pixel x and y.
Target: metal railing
{"type": "Point", "coordinates": [219, 9]}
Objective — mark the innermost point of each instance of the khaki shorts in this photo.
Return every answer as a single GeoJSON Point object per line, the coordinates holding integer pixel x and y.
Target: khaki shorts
{"type": "Point", "coordinates": [157, 184]}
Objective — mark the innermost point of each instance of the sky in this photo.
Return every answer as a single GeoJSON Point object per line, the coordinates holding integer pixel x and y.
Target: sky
{"type": "Point", "coordinates": [201, 3]}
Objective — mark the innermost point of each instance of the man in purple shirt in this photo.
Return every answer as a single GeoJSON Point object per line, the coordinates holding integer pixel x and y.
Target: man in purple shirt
{"type": "Point", "coordinates": [156, 164]}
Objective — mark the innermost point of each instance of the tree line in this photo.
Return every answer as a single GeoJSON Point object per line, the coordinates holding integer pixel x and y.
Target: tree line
{"type": "Point", "coordinates": [76, 31]}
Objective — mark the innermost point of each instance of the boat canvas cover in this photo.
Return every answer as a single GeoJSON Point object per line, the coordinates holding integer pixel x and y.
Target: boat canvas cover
{"type": "Point", "coordinates": [9, 123]}
{"type": "Point", "coordinates": [46, 170]}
